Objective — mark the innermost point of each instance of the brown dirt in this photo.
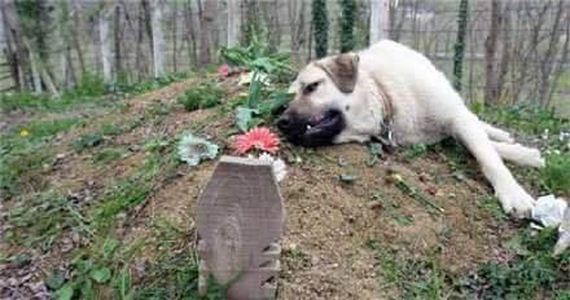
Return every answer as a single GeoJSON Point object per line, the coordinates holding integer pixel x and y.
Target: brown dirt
{"type": "Point", "coordinates": [328, 222]}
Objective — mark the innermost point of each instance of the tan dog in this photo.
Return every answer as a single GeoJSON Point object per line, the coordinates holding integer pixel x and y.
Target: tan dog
{"type": "Point", "coordinates": [395, 94]}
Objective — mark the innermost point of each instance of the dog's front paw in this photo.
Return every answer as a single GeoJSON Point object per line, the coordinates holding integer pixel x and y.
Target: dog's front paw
{"type": "Point", "coordinates": [516, 201]}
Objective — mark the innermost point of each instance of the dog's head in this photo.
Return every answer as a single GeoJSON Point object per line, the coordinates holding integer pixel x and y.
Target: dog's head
{"type": "Point", "coordinates": [328, 100]}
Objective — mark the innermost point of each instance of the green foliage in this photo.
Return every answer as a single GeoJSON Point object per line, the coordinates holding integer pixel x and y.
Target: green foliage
{"type": "Point", "coordinates": [88, 141]}
{"type": "Point", "coordinates": [533, 273]}
{"type": "Point", "coordinates": [527, 119]}
{"type": "Point", "coordinates": [415, 151]}
{"type": "Point", "coordinates": [320, 27]}
{"type": "Point", "coordinates": [92, 267]}
{"type": "Point", "coordinates": [38, 221]}
{"type": "Point", "coordinates": [493, 207]}
{"type": "Point", "coordinates": [108, 155]}
{"type": "Point", "coordinates": [255, 111]}
{"type": "Point", "coordinates": [347, 21]}
{"type": "Point", "coordinates": [23, 154]}
{"type": "Point", "coordinates": [90, 90]}
{"type": "Point", "coordinates": [459, 47]}
{"type": "Point", "coordinates": [124, 196]}
{"type": "Point", "coordinates": [259, 57]}
{"type": "Point", "coordinates": [203, 96]}
{"type": "Point", "coordinates": [555, 176]}
{"type": "Point", "coordinates": [415, 278]}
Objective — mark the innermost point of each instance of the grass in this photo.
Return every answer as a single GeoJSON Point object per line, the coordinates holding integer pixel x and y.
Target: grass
{"type": "Point", "coordinates": [413, 278]}
{"type": "Point", "coordinates": [87, 141]}
{"type": "Point", "coordinates": [555, 176]}
{"type": "Point", "coordinates": [523, 118]}
{"type": "Point", "coordinates": [534, 273]}
{"type": "Point", "coordinates": [90, 90]}
{"type": "Point", "coordinates": [24, 155]}
{"type": "Point", "coordinates": [492, 206]}
{"type": "Point", "coordinates": [110, 154]}
{"type": "Point", "coordinates": [200, 97]}
{"type": "Point", "coordinates": [392, 208]}
{"type": "Point", "coordinates": [42, 218]}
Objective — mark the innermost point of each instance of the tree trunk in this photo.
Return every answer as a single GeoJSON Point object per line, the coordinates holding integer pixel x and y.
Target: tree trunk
{"type": "Point", "coordinates": [174, 36]}
{"type": "Point", "coordinates": [190, 35]}
{"type": "Point", "coordinates": [491, 84]}
{"type": "Point", "coordinates": [205, 12]}
{"type": "Point", "coordinates": [320, 26]}
{"type": "Point", "coordinates": [12, 55]}
{"type": "Point", "coordinates": [234, 23]}
{"type": "Point", "coordinates": [158, 43]}
{"type": "Point", "coordinates": [105, 44]}
{"type": "Point", "coordinates": [347, 21]}
{"type": "Point", "coordinates": [296, 15]}
{"type": "Point", "coordinates": [379, 20]}
{"type": "Point", "coordinates": [117, 39]}
{"type": "Point", "coordinates": [460, 45]}
{"type": "Point", "coordinates": [76, 36]}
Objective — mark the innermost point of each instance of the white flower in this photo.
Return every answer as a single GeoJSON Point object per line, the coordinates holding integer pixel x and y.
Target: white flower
{"type": "Point", "coordinates": [279, 167]}
{"type": "Point", "coordinates": [192, 149]}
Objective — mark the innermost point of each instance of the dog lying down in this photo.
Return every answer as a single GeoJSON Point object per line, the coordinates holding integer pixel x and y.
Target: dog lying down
{"type": "Point", "coordinates": [395, 94]}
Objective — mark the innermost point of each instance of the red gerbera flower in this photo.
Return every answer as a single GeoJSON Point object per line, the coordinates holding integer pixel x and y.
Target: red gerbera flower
{"type": "Point", "coordinates": [257, 139]}
{"type": "Point", "coordinates": [224, 70]}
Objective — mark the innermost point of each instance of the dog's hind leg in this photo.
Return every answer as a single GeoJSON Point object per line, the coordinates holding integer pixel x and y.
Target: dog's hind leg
{"type": "Point", "coordinates": [519, 154]}
{"type": "Point", "coordinates": [496, 134]}
{"type": "Point", "coordinates": [514, 199]}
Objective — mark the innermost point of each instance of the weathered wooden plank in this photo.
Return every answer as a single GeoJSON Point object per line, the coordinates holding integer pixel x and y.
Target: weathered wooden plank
{"type": "Point", "coordinates": [240, 221]}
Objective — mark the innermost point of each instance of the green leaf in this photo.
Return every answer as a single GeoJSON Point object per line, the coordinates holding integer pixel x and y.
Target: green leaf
{"type": "Point", "coordinates": [244, 117]}
{"type": "Point", "coordinates": [101, 275]}
{"type": "Point", "coordinates": [55, 281]}
{"type": "Point", "coordinates": [65, 293]}
{"type": "Point", "coordinates": [109, 247]}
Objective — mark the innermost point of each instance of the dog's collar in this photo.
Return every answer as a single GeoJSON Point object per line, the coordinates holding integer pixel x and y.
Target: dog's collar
{"type": "Point", "coordinates": [386, 134]}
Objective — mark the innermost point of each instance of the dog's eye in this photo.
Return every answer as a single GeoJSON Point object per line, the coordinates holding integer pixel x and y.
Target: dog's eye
{"type": "Point", "coordinates": [310, 88]}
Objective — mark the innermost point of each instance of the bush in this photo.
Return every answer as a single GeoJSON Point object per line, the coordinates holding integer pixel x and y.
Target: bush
{"type": "Point", "coordinates": [203, 96]}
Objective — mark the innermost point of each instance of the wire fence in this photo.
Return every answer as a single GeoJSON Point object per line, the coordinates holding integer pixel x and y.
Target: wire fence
{"type": "Point", "coordinates": [531, 54]}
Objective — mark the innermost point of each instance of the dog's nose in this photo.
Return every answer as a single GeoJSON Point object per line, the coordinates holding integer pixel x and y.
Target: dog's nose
{"type": "Point", "coordinates": [284, 123]}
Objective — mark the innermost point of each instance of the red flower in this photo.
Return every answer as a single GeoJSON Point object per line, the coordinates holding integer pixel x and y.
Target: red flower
{"type": "Point", "coordinates": [224, 70]}
{"type": "Point", "coordinates": [257, 139]}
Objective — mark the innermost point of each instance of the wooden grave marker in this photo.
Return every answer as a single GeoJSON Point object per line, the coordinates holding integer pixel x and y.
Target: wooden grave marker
{"type": "Point", "coordinates": [240, 221]}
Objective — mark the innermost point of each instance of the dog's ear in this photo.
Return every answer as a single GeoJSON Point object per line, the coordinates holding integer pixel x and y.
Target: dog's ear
{"type": "Point", "coordinates": [343, 70]}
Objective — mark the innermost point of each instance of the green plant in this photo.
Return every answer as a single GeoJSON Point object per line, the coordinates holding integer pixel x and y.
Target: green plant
{"type": "Point", "coordinates": [110, 154]}
{"type": "Point", "coordinates": [259, 57]}
{"type": "Point", "coordinates": [253, 111]}
{"type": "Point", "coordinates": [414, 278]}
{"type": "Point", "coordinates": [200, 97]}
{"type": "Point", "coordinates": [92, 267]}
{"type": "Point", "coordinates": [87, 141]}
{"type": "Point", "coordinates": [347, 21]}
{"type": "Point", "coordinates": [533, 273]}
{"type": "Point", "coordinates": [40, 219]}
{"type": "Point", "coordinates": [524, 118]}
{"type": "Point", "coordinates": [320, 27]}
{"type": "Point", "coordinates": [415, 151]}
{"type": "Point", "coordinates": [555, 176]}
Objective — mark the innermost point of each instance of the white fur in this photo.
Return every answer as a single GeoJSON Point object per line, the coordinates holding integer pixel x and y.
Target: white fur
{"type": "Point", "coordinates": [426, 109]}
